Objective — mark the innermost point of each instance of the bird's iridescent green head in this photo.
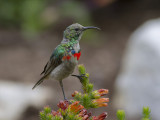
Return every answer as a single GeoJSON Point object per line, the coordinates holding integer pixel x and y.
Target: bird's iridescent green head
{"type": "Point", "coordinates": [74, 32]}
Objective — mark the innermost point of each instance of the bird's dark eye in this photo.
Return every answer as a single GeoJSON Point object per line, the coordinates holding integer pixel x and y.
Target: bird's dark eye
{"type": "Point", "coordinates": [76, 29]}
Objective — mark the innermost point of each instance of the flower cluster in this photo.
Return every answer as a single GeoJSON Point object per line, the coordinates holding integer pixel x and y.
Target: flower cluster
{"type": "Point", "coordinates": [76, 109]}
{"type": "Point", "coordinates": [67, 111]}
{"type": "Point", "coordinates": [92, 99]}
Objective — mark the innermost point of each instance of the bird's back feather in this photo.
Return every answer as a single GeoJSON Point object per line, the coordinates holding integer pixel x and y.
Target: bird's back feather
{"type": "Point", "coordinates": [55, 60]}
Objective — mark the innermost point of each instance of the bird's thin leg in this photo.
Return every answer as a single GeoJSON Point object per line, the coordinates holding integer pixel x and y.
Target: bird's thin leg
{"type": "Point", "coordinates": [61, 84]}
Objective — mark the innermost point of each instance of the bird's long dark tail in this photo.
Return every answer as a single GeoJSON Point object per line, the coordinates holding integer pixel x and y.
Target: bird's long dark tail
{"type": "Point", "coordinates": [39, 82]}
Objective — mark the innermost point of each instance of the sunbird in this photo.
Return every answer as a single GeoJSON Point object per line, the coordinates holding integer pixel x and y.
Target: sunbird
{"type": "Point", "coordinates": [65, 56]}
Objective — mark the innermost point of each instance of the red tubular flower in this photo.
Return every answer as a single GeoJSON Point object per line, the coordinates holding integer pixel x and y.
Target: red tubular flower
{"type": "Point", "coordinates": [63, 104]}
{"type": "Point", "coordinates": [100, 117]}
{"type": "Point", "coordinates": [103, 92]}
{"type": "Point", "coordinates": [54, 113]}
{"type": "Point", "coordinates": [75, 107]}
{"type": "Point", "coordinates": [101, 102]}
{"type": "Point", "coordinates": [82, 113]}
{"type": "Point", "coordinates": [86, 116]}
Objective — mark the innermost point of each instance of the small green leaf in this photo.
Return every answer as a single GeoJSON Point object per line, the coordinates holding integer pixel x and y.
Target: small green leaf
{"type": "Point", "coordinates": [86, 101]}
{"type": "Point", "coordinates": [146, 113]}
{"type": "Point", "coordinates": [47, 110]}
{"type": "Point", "coordinates": [49, 116]}
{"type": "Point", "coordinates": [81, 69]}
{"type": "Point", "coordinates": [42, 115]}
{"type": "Point", "coordinates": [89, 88]}
{"type": "Point", "coordinates": [120, 115]}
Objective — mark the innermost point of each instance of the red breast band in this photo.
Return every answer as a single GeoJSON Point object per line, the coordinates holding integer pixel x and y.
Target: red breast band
{"type": "Point", "coordinates": [77, 55]}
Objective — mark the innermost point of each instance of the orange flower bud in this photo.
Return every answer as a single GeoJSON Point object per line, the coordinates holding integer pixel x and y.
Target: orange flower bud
{"type": "Point", "coordinates": [101, 102]}
{"type": "Point", "coordinates": [75, 92]}
{"type": "Point", "coordinates": [103, 92]}
{"type": "Point", "coordinates": [75, 107]}
{"type": "Point", "coordinates": [103, 105]}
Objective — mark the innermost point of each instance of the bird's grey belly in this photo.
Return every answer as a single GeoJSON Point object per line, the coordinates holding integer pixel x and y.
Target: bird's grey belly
{"type": "Point", "coordinates": [63, 70]}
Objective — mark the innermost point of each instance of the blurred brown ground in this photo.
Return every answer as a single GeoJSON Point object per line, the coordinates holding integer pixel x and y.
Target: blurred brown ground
{"type": "Point", "coordinates": [23, 60]}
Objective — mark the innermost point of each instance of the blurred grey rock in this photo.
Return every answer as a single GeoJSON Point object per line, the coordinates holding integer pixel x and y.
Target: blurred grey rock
{"type": "Point", "coordinates": [138, 83]}
{"type": "Point", "coordinates": [16, 97]}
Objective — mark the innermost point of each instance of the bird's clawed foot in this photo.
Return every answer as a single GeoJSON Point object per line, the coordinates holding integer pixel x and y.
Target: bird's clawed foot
{"type": "Point", "coordinates": [80, 77]}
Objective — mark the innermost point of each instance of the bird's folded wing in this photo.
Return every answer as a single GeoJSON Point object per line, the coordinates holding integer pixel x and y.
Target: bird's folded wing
{"type": "Point", "coordinates": [55, 60]}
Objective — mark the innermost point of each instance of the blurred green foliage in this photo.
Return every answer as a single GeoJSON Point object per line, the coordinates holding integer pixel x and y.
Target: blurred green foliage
{"type": "Point", "coordinates": [120, 115]}
{"type": "Point", "coordinates": [36, 15]}
{"type": "Point", "coordinates": [9, 12]}
{"type": "Point", "coordinates": [31, 14]}
{"type": "Point", "coordinates": [22, 14]}
{"type": "Point", "coordinates": [16, 12]}
{"type": "Point", "coordinates": [146, 114]}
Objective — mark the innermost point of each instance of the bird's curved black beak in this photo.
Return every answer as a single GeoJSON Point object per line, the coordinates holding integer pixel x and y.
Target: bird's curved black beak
{"type": "Point", "coordinates": [90, 27]}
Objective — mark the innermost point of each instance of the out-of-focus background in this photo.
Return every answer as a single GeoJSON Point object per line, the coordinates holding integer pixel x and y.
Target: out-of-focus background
{"type": "Point", "coordinates": [123, 57]}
